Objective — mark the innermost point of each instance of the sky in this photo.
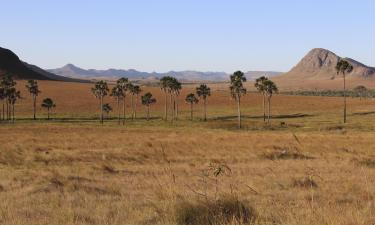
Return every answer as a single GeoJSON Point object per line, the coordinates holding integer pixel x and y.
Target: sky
{"type": "Point", "coordinates": [204, 35]}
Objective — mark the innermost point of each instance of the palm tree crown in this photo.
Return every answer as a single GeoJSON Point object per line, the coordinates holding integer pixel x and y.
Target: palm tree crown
{"type": "Point", "coordinates": [344, 67]}
{"type": "Point", "coordinates": [203, 91]}
{"type": "Point", "coordinates": [270, 88]}
{"type": "Point", "coordinates": [147, 99]}
{"type": "Point", "coordinates": [32, 87]}
{"type": "Point", "coordinates": [191, 99]}
{"type": "Point", "coordinates": [259, 83]}
{"type": "Point", "coordinates": [100, 89]}
{"type": "Point", "coordinates": [236, 84]}
{"type": "Point", "coordinates": [48, 103]}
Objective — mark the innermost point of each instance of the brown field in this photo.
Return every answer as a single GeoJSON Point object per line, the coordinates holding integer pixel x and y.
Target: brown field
{"type": "Point", "coordinates": [305, 168]}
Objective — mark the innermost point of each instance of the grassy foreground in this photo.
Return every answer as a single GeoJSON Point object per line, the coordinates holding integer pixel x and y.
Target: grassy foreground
{"type": "Point", "coordinates": [54, 173]}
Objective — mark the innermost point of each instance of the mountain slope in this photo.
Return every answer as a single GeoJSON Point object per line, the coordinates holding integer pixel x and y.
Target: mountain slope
{"type": "Point", "coordinates": [319, 64]}
{"type": "Point", "coordinates": [11, 64]}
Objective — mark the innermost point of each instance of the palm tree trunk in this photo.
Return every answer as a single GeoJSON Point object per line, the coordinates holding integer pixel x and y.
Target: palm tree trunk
{"type": "Point", "coordinates": [205, 109]}
{"type": "Point", "coordinates": [239, 111]}
{"type": "Point", "coordinates": [118, 108]}
{"type": "Point", "coordinates": [124, 110]}
{"type": "Point", "coordinates": [34, 105]}
{"type": "Point", "coordinates": [13, 112]}
{"type": "Point", "coordinates": [132, 103]}
{"type": "Point", "coordinates": [264, 108]}
{"type": "Point", "coordinates": [135, 107]}
{"type": "Point", "coordinates": [172, 106]}
{"type": "Point", "coordinates": [148, 112]}
{"type": "Point", "coordinates": [191, 111]}
{"type": "Point", "coordinates": [166, 106]}
{"type": "Point", "coordinates": [3, 116]}
{"type": "Point", "coordinates": [176, 100]}
{"type": "Point", "coordinates": [269, 109]}
{"type": "Point", "coordinates": [47, 113]}
{"type": "Point", "coordinates": [101, 109]}
{"type": "Point", "coordinates": [7, 106]}
{"type": "Point", "coordinates": [344, 99]}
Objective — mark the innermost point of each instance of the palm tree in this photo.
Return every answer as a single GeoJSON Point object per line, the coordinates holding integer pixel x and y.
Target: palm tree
{"type": "Point", "coordinates": [100, 90]}
{"type": "Point", "coordinates": [344, 67]}
{"type": "Point", "coordinates": [33, 88]}
{"type": "Point", "coordinates": [260, 86]}
{"type": "Point", "coordinates": [165, 87]}
{"type": "Point", "coordinates": [6, 84]}
{"type": "Point", "coordinates": [9, 94]}
{"type": "Point", "coordinates": [2, 98]}
{"type": "Point", "coordinates": [107, 109]}
{"type": "Point", "coordinates": [148, 100]}
{"type": "Point", "coordinates": [134, 90]}
{"type": "Point", "coordinates": [123, 83]}
{"type": "Point", "coordinates": [191, 99]}
{"type": "Point", "coordinates": [13, 95]}
{"type": "Point", "coordinates": [117, 92]}
{"type": "Point", "coordinates": [203, 91]}
{"type": "Point", "coordinates": [48, 104]}
{"type": "Point", "coordinates": [270, 88]}
{"type": "Point", "coordinates": [237, 90]}
{"type": "Point", "coordinates": [175, 87]}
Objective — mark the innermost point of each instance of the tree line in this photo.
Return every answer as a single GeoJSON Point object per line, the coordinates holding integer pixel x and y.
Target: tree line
{"type": "Point", "coordinates": [9, 96]}
{"type": "Point", "coordinates": [171, 88]}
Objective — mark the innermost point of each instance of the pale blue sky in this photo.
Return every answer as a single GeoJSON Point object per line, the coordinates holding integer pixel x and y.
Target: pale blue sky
{"type": "Point", "coordinates": [207, 35]}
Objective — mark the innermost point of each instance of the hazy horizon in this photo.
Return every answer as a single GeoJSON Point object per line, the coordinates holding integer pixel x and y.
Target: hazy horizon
{"type": "Point", "coordinates": [191, 35]}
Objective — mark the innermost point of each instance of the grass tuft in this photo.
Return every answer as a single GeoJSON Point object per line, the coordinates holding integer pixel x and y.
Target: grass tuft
{"type": "Point", "coordinates": [228, 210]}
{"type": "Point", "coordinates": [305, 182]}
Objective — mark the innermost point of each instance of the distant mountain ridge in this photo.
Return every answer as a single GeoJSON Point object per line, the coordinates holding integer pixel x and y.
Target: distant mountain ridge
{"type": "Point", "coordinates": [71, 70]}
{"type": "Point", "coordinates": [319, 64]}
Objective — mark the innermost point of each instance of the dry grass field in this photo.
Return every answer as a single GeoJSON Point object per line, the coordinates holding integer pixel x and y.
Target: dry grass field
{"type": "Point", "coordinates": [305, 168]}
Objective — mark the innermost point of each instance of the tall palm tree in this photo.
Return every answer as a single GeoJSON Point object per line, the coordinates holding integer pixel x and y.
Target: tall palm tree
{"type": "Point", "coordinates": [191, 99]}
{"type": "Point", "coordinates": [260, 86]}
{"type": "Point", "coordinates": [134, 90]}
{"type": "Point", "coordinates": [48, 104]}
{"type": "Point", "coordinates": [344, 67]}
{"type": "Point", "coordinates": [6, 84]}
{"type": "Point", "coordinates": [175, 87]}
{"type": "Point", "coordinates": [2, 99]}
{"type": "Point", "coordinates": [148, 100]}
{"type": "Point", "coordinates": [33, 88]}
{"type": "Point", "coordinates": [123, 83]}
{"type": "Point", "coordinates": [117, 92]}
{"type": "Point", "coordinates": [13, 95]}
{"type": "Point", "coordinates": [165, 87]}
{"type": "Point", "coordinates": [237, 90]}
{"type": "Point", "coordinates": [270, 88]}
{"type": "Point", "coordinates": [100, 90]}
{"type": "Point", "coordinates": [203, 91]}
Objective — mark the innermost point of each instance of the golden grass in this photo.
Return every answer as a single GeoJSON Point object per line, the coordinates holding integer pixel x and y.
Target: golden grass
{"type": "Point", "coordinates": [305, 168]}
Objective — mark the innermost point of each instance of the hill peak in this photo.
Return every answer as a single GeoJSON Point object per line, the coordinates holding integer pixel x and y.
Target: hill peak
{"type": "Point", "coordinates": [320, 63]}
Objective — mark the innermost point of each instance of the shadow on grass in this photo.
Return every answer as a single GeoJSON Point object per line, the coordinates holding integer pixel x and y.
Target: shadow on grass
{"type": "Point", "coordinates": [363, 113]}
{"type": "Point", "coordinates": [80, 120]}
{"type": "Point", "coordinates": [288, 116]}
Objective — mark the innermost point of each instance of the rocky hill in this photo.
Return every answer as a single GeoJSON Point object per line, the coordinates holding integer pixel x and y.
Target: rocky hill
{"type": "Point", "coordinates": [319, 64]}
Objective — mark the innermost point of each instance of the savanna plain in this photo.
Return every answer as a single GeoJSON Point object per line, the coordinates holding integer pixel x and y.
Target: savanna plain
{"type": "Point", "coordinates": [303, 168]}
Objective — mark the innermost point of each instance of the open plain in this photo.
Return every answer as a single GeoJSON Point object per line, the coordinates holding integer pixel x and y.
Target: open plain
{"type": "Point", "coordinates": [304, 168]}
